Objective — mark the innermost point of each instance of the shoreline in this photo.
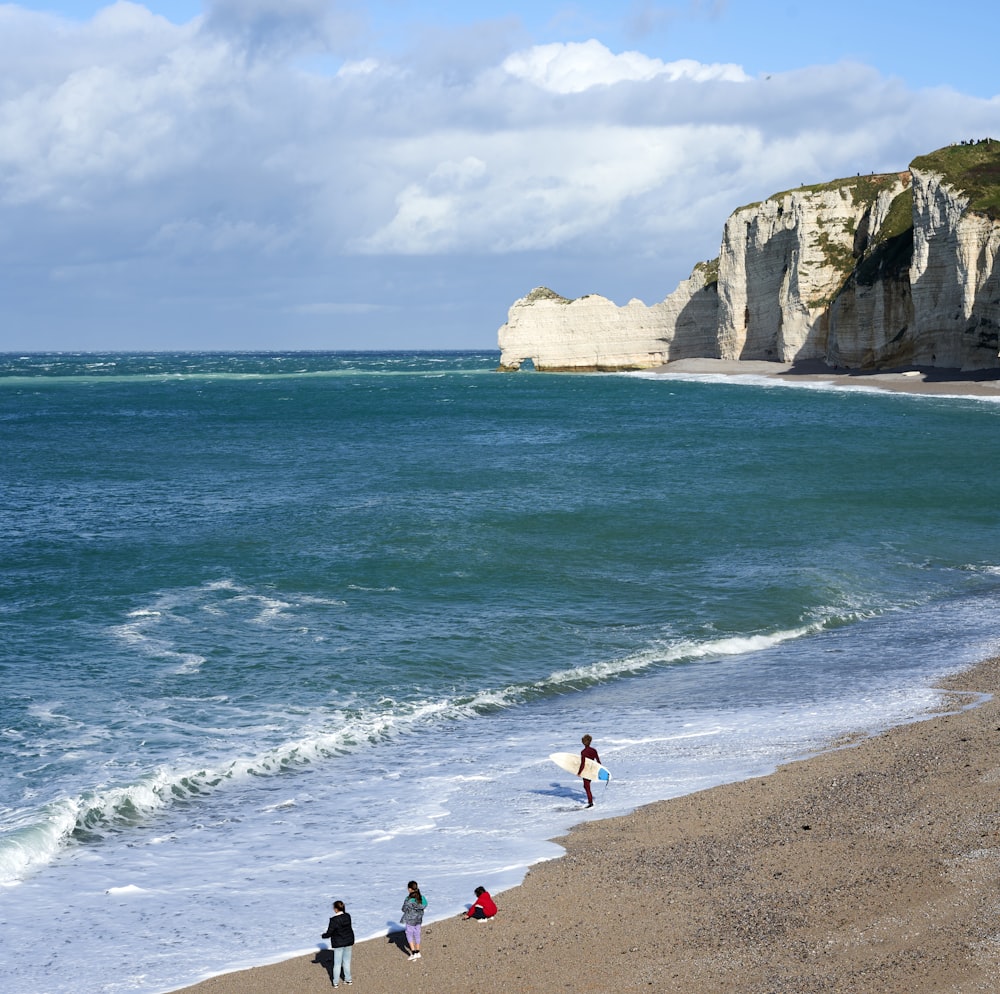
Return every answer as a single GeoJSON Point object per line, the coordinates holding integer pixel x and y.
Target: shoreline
{"type": "Point", "coordinates": [871, 867]}
{"type": "Point", "coordinates": [917, 380]}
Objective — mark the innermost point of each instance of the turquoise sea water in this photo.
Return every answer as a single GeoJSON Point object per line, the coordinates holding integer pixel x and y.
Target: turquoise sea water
{"type": "Point", "coordinates": [278, 629]}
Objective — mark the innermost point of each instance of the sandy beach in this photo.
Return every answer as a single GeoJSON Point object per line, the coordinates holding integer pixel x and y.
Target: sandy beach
{"type": "Point", "coordinates": [869, 869]}
{"type": "Point", "coordinates": [945, 382]}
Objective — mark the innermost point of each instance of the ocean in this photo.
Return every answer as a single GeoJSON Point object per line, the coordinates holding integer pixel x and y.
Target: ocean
{"type": "Point", "coordinates": [279, 629]}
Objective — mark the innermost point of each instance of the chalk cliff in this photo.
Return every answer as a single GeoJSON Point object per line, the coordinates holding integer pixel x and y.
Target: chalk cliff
{"type": "Point", "coordinates": [868, 272]}
{"type": "Point", "coordinates": [591, 334]}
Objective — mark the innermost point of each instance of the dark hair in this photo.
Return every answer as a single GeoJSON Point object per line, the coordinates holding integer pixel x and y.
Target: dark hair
{"type": "Point", "coordinates": [480, 891]}
{"type": "Point", "coordinates": [586, 740]}
{"type": "Point", "coordinates": [412, 885]}
{"type": "Point", "coordinates": [339, 906]}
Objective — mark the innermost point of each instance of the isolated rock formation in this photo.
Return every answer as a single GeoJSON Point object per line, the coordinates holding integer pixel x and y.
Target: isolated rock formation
{"type": "Point", "coordinates": [869, 272]}
{"type": "Point", "coordinates": [593, 334]}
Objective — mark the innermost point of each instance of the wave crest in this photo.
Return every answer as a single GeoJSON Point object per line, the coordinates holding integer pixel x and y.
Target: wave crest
{"type": "Point", "coordinates": [91, 815]}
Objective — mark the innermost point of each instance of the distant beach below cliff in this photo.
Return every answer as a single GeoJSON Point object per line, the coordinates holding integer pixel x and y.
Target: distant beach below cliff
{"type": "Point", "coordinates": [942, 382]}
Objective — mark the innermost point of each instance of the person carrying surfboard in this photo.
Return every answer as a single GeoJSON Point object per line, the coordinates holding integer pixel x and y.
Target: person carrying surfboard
{"type": "Point", "coordinates": [587, 752]}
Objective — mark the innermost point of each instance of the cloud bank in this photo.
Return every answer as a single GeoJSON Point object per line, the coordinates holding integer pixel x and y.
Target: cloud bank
{"type": "Point", "coordinates": [261, 159]}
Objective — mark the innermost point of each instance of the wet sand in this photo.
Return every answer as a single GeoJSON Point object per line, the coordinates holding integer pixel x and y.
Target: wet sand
{"type": "Point", "coordinates": [946, 382]}
{"type": "Point", "coordinates": [873, 868]}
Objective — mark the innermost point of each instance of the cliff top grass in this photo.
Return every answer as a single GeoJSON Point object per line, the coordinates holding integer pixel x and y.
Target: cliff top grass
{"type": "Point", "coordinates": [862, 189]}
{"type": "Point", "coordinates": [544, 293]}
{"type": "Point", "coordinates": [709, 270]}
{"type": "Point", "coordinates": [971, 167]}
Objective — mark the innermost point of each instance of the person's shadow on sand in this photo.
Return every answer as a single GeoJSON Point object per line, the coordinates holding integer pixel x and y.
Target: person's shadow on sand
{"type": "Point", "coordinates": [325, 959]}
{"type": "Point", "coordinates": [396, 936]}
{"type": "Point", "coordinates": [561, 791]}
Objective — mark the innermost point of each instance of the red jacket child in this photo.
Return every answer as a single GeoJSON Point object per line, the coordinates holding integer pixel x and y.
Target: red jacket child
{"type": "Point", "coordinates": [484, 907]}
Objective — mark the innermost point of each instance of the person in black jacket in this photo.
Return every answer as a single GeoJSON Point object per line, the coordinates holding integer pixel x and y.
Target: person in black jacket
{"type": "Point", "coordinates": [341, 937]}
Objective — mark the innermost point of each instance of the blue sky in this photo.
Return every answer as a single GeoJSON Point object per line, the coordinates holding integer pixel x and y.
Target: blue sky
{"type": "Point", "coordinates": [335, 175]}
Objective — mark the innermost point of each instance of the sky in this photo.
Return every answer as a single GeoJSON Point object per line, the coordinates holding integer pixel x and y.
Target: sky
{"type": "Point", "coordinates": [332, 174]}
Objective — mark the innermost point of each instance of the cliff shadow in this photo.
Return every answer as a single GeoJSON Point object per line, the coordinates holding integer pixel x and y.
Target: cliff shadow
{"type": "Point", "coordinates": [928, 374]}
{"type": "Point", "coordinates": [696, 327]}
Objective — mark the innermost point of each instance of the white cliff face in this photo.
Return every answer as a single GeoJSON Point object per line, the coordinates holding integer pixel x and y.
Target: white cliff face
{"type": "Point", "coordinates": [954, 279]}
{"type": "Point", "coordinates": [592, 333]}
{"type": "Point", "coordinates": [783, 262]}
{"type": "Point", "coordinates": [832, 273]}
{"type": "Point", "coordinates": [870, 319]}
{"type": "Point", "coordinates": [583, 335]}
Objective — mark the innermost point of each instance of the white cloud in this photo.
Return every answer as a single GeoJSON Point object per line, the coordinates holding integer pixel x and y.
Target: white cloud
{"type": "Point", "coordinates": [578, 66]}
{"type": "Point", "coordinates": [177, 133]}
{"type": "Point", "coordinates": [520, 195]}
{"type": "Point", "coordinates": [362, 67]}
{"type": "Point", "coordinates": [109, 110]}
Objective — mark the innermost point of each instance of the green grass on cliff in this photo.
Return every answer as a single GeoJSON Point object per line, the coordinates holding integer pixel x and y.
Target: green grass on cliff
{"type": "Point", "coordinates": [709, 270]}
{"type": "Point", "coordinates": [836, 255]}
{"type": "Point", "coordinates": [862, 189]}
{"type": "Point", "coordinates": [544, 293]}
{"type": "Point", "coordinates": [899, 218]}
{"type": "Point", "coordinates": [973, 168]}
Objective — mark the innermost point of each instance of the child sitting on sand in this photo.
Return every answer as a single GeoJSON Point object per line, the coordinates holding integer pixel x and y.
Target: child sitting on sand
{"type": "Point", "coordinates": [484, 908]}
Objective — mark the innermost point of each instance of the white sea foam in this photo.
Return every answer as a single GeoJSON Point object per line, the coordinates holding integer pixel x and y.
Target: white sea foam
{"type": "Point", "coordinates": [269, 609]}
{"type": "Point", "coordinates": [679, 651]}
{"type": "Point", "coordinates": [126, 890]}
{"type": "Point", "coordinates": [34, 839]}
{"type": "Point", "coordinates": [774, 382]}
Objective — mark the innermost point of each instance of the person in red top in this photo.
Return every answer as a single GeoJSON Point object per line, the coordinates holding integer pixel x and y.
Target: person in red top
{"type": "Point", "coordinates": [587, 752]}
{"type": "Point", "coordinates": [484, 907]}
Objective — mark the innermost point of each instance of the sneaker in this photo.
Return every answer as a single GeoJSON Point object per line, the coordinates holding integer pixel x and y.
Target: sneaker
{"type": "Point", "coordinates": [348, 982]}
{"type": "Point", "coordinates": [416, 956]}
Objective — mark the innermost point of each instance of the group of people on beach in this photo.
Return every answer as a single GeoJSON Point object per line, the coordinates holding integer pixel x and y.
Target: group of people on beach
{"type": "Point", "coordinates": [341, 934]}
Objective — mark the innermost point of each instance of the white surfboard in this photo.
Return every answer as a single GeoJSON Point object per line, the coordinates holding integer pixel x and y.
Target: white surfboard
{"type": "Point", "coordinates": [570, 762]}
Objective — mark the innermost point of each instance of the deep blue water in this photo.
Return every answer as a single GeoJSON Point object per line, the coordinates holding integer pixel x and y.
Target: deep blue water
{"type": "Point", "coordinates": [282, 628]}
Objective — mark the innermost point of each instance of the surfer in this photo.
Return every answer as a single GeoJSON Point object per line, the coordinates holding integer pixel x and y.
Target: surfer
{"type": "Point", "coordinates": [484, 908]}
{"type": "Point", "coordinates": [587, 752]}
{"type": "Point", "coordinates": [413, 915]}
